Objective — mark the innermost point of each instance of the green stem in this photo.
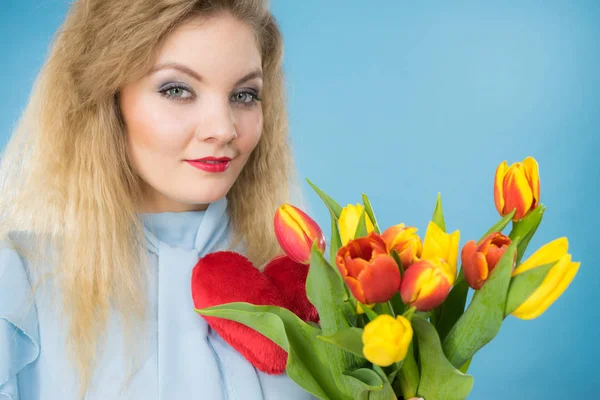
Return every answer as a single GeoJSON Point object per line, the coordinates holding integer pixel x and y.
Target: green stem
{"type": "Point", "coordinates": [392, 313]}
{"type": "Point", "coordinates": [409, 313]}
{"type": "Point", "coordinates": [407, 380]}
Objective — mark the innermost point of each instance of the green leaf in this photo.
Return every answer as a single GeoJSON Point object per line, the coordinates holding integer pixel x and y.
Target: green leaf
{"type": "Point", "coordinates": [439, 378]}
{"type": "Point", "coordinates": [500, 225]}
{"type": "Point", "coordinates": [465, 366]}
{"type": "Point", "coordinates": [336, 241]}
{"type": "Point", "coordinates": [523, 285]}
{"type": "Point", "coordinates": [383, 308]}
{"type": "Point", "coordinates": [397, 304]}
{"type": "Point", "coordinates": [349, 339]}
{"type": "Point", "coordinates": [482, 320]}
{"type": "Point", "coordinates": [370, 213]}
{"type": "Point", "coordinates": [361, 227]}
{"type": "Point", "coordinates": [331, 204]}
{"type": "Point", "coordinates": [387, 392]}
{"type": "Point", "coordinates": [526, 228]}
{"type": "Point", "coordinates": [325, 290]}
{"type": "Point", "coordinates": [407, 380]}
{"type": "Point", "coordinates": [453, 307]}
{"type": "Point", "coordinates": [368, 312]}
{"type": "Point", "coordinates": [306, 365]}
{"type": "Point", "coordinates": [438, 214]}
{"type": "Point", "coordinates": [396, 258]}
{"type": "Point", "coordinates": [368, 377]}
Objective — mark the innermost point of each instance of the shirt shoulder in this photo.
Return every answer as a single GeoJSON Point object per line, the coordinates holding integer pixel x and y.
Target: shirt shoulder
{"type": "Point", "coordinates": [19, 334]}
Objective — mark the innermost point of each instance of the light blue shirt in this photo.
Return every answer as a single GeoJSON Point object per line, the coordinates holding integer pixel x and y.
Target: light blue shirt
{"type": "Point", "coordinates": [181, 356]}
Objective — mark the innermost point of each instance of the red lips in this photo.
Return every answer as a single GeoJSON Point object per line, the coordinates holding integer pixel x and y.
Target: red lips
{"type": "Point", "coordinates": [211, 164]}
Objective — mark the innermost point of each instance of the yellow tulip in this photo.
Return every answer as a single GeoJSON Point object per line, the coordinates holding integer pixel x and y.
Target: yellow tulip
{"type": "Point", "coordinates": [386, 339]}
{"type": "Point", "coordinates": [554, 284]}
{"type": "Point", "coordinates": [405, 241]}
{"type": "Point", "coordinates": [439, 244]}
{"type": "Point", "coordinates": [517, 188]}
{"type": "Point", "coordinates": [348, 222]}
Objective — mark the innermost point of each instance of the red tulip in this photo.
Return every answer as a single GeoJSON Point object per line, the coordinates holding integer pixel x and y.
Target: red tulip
{"type": "Point", "coordinates": [296, 232]}
{"type": "Point", "coordinates": [480, 259]}
{"type": "Point", "coordinates": [369, 271]}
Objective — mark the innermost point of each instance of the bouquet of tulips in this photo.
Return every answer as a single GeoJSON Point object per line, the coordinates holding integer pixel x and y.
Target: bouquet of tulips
{"type": "Point", "coordinates": [394, 322]}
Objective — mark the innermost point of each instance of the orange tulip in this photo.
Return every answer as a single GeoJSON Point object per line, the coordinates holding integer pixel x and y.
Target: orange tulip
{"type": "Point", "coordinates": [405, 241]}
{"type": "Point", "coordinates": [517, 187]}
{"type": "Point", "coordinates": [296, 232]}
{"type": "Point", "coordinates": [480, 259]}
{"type": "Point", "coordinates": [369, 271]}
{"type": "Point", "coordinates": [426, 284]}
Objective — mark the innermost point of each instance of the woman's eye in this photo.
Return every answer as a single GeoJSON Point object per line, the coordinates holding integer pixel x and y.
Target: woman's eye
{"type": "Point", "coordinates": [176, 92]}
{"type": "Point", "coordinates": [246, 98]}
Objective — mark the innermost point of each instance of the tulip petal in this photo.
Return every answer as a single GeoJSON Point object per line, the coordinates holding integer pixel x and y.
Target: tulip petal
{"type": "Point", "coordinates": [303, 221]}
{"type": "Point", "coordinates": [517, 192]}
{"type": "Point", "coordinates": [453, 254]}
{"type": "Point", "coordinates": [425, 285]}
{"type": "Point", "coordinates": [348, 222]}
{"type": "Point", "coordinates": [548, 253]}
{"type": "Point", "coordinates": [291, 238]}
{"type": "Point", "coordinates": [478, 273]}
{"type": "Point", "coordinates": [439, 244]}
{"type": "Point", "coordinates": [355, 288]}
{"type": "Point", "coordinates": [386, 339]}
{"type": "Point", "coordinates": [296, 232]}
{"type": "Point", "coordinates": [498, 187]}
{"type": "Point", "coordinates": [494, 255]}
{"type": "Point", "coordinates": [533, 176]}
{"type": "Point", "coordinates": [413, 279]}
{"type": "Point", "coordinates": [433, 293]}
{"type": "Point", "coordinates": [355, 266]}
{"type": "Point", "coordinates": [380, 280]}
{"type": "Point", "coordinates": [391, 235]}
{"type": "Point", "coordinates": [468, 252]}
{"type": "Point", "coordinates": [555, 283]}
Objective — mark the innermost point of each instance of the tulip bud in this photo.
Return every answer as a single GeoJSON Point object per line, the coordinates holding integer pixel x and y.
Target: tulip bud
{"type": "Point", "coordinates": [439, 244]}
{"type": "Point", "coordinates": [405, 241]}
{"type": "Point", "coordinates": [348, 222]}
{"type": "Point", "coordinates": [517, 187]}
{"type": "Point", "coordinates": [554, 284]}
{"type": "Point", "coordinates": [369, 271]}
{"type": "Point", "coordinates": [426, 284]}
{"type": "Point", "coordinates": [479, 260]}
{"type": "Point", "coordinates": [296, 232]}
{"type": "Point", "coordinates": [386, 339]}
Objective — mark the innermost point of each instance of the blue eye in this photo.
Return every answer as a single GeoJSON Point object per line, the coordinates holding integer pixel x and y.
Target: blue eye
{"type": "Point", "coordinates": [176, 91]}
{"type": "Point", "coordinates": [246, 97]}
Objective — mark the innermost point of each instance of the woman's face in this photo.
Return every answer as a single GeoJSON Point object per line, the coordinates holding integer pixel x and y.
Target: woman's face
{"type": "Point", "coordinates": [194, 120]}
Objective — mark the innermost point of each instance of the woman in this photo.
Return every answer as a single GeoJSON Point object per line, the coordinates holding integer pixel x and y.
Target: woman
{"type": "Point", "coordinates": [154, 125]}
{"type": "Point", "coordinates": [155, 133]}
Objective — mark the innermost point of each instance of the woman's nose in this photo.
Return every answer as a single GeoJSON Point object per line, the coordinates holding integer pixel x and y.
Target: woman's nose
{"type": "Point", "coordinates": [217, 124]}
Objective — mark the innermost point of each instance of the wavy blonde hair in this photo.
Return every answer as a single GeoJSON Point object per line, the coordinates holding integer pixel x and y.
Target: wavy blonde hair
{"type": "Point", "coordinates": [66, 174]}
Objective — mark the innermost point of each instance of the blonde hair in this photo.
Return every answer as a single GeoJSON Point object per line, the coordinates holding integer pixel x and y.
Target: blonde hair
{"type": "Point", "coordinates": [66, 175]}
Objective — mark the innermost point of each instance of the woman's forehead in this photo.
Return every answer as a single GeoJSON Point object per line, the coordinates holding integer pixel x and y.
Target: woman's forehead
{"type": "Point", "coordinates": [219, 45]}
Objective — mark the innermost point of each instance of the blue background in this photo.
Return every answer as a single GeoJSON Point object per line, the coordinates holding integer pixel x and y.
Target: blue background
{"type": "Point", "coordinates": [402, 101]}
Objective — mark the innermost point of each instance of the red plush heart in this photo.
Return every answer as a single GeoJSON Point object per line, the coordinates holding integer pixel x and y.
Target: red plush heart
{"type": "Point", "coordinates": [226, 277]}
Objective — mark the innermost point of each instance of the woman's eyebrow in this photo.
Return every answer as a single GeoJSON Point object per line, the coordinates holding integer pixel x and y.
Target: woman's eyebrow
{"type": "Point", "coordinates": [257, 73]}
